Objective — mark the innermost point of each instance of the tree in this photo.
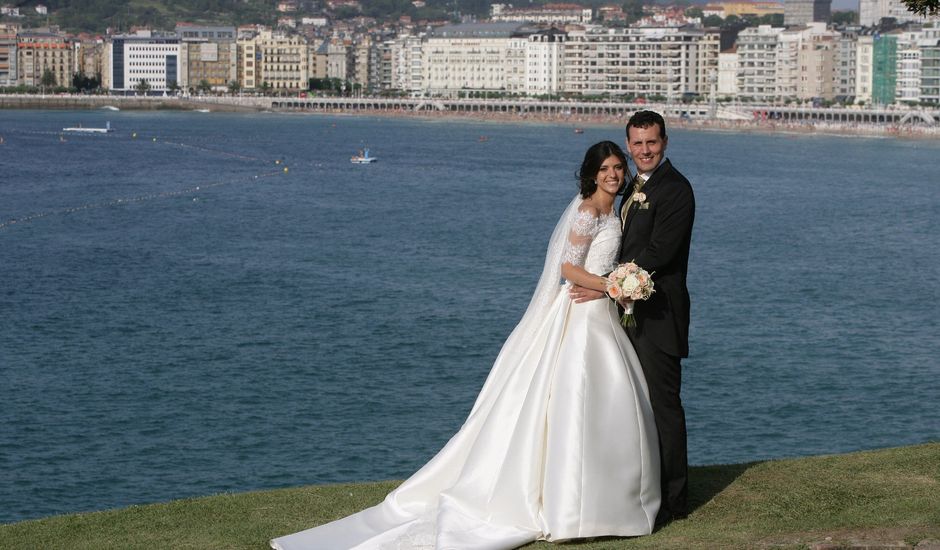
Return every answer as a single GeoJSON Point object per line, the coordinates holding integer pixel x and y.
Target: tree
{"type": "Point", "coordinates": [173, 87]}
{"type": "Point", "coordinates": [204, 87]}
{"type": "Point", "coordinates": [923, 7]}
{"type": "Point", "coordinates": [633, 10]}
{"type": "Point", "coordinates": [695, 12]}
{"type": "Point", "coordinates": [713, 21]}
{"type": "Point", "coordinates": [48, 78]}
{"type": "Point", "coordinates": [234, 87]}
{"type": "Point", "coordinates": [142, 87]}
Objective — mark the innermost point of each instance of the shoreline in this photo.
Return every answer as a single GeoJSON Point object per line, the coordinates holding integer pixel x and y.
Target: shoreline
{"type": "Point", "coordinates": [822, 128]}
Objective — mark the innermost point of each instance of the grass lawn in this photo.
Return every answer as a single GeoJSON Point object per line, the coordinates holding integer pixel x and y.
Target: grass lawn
{"type": "Point", "coordinates": [865, 499]}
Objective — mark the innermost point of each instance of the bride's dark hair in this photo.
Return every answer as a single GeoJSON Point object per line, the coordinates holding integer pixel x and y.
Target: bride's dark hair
{"type": "Point", "coordinates": [593, 159]}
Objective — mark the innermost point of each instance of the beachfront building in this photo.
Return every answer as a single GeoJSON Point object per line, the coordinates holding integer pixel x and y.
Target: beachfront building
{"type": "Point", "coordinates": [552, 14]}
{"type": "Point", "coordinates": [806, 63]}
{"type": "Point", "coordinates": [407, 64]}
{"type": "Point", "coordinates": [7, 55]}
{"type": "Point", "coordinates": [544, 62]}
{"type": "Point", "coordinates": [801, 12]}
{"type": "Point", "coordinates": [930, 71]}
{"type": "Point", "coordinates": [274, 61]}
{"type": "Point", "coordinates": [208, 55]}
{"type": "Point", "coordinates": [515, 64]}
{"type": "Point", "coordinates": [641, 62]}
{"type": "Point", "coordinates": [340, 62]}
{"type": "Point", "coordinates": [41, 51]}
{"type": "Point", "coordinates": [145, 56]}
{"type": "Point", "coordinates": [864, 67]}
{"type": "Point", "coordinates": [473, 57]}
{"type": "Point", "coordinates": [907, 87]}
{"type": "Point", "coordinates": [757, 62]}
{"type": "Point", "coordinates": [845, 65]}
{"type": "Point", "coordinates": [728, 73]}
{"type": "Point", "coordinates": [884, 68]}
{"type": "Point", "coordinates": [365, 59]}
{"type": "Point", "coordinates": [90, 56]}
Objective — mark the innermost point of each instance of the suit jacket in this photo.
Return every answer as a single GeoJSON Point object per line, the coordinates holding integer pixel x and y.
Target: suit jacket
{"type": "Point", "coordinates": [657, 238]}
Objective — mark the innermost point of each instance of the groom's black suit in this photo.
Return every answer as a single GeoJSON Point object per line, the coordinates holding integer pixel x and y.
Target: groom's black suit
{"type": "Point", "coordinates": [656, 236]}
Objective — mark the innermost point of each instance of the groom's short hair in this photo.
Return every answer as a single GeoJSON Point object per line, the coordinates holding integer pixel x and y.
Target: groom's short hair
{"type": "Point", "coordinates": [645, 119]}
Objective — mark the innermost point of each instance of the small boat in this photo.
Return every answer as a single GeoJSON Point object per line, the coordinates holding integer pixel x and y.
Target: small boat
{"type": "Point", "coordinates": [483, 139]}
{"type": "Point", "coordinates": [363, 157]}
{"type": "Point", "coordinates": [82, 129]}
{"type": "Point", "coordinates": [110, 108]}
{"type": "Point", "coordinates": [202, 110]}
{"type": "Point", "coordinates": [578, 131]}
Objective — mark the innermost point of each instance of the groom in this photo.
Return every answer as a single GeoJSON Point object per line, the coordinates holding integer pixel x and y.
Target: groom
{"type": "Point", "coordinates": [657, 212]}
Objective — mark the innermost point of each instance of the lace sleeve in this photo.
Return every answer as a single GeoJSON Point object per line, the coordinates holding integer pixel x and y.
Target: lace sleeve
{"type": "Point", "coordinates": [584, 228]}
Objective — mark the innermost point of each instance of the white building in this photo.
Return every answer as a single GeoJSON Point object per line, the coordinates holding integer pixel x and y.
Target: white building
{"type": "Point", "coordinates": [642, 62]}
{"type": "Point", "coordinates": [407, 64]}
{"type": "Point", "coordinates": [757, 62]}
{"type": "Point", "coordinates": [144, 56]}
{"type": "Point", "coordinates": [728, 73]}
{"type": "Point", "coordinates": [544, 62]}
{"type": "Point", "coordinates": [908, 85]}
{"type": "Point", "coordinates": [864, 68]}
{"type": "Point", "coordinates": [846, 65]}
{"type": "Point", "coordinates": [474, 56]}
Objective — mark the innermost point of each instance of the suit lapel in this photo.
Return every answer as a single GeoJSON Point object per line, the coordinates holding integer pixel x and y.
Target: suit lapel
{"type": "Point", "coordinates": [654, 178]}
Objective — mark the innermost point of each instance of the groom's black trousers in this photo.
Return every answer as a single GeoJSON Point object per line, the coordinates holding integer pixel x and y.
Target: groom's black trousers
{"type": "Point", "coordinates": [664, 379]}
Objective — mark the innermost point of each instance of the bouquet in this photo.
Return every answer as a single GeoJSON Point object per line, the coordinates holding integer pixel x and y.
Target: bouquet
{"type": "Point", "coordinates": [629, 282]}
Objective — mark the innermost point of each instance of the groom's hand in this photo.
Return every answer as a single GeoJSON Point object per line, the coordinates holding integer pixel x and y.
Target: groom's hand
{"type": "Point", "coordinates": [581, 294]}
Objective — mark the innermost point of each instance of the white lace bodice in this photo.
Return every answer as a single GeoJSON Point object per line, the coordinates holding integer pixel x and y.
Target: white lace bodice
{"type": "Point", "coordinates": [593, 242]}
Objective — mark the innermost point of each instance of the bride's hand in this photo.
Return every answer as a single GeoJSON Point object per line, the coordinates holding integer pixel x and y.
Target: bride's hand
{"type": "Point", "coordinates": [581, 294]}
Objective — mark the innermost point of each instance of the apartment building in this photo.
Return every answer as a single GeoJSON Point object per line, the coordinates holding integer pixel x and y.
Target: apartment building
{"type": "Point", "coordinates": [545, 62]}
{"type": "Point", "coordinates": [38, 51]}
{"type": "Point", "coordinates": [7, 55]}
{"type": "Point", "coordinates": [930, 71]}
{"type": "Point", "coordinates": [407, 64]}
{"type": "Point", "coordinates": [864, 67]}
{"type": "Point", "coordinates": [846, 64]}
{"type": "Point", "coordinates": [273, 60]}
{"type": "Point", "coordinates": [207, 54]}
{"type": "Point", "coordinates": [728, 73]}
{"type": "Point", "coordinates": [907, 87]}
{"type": "Point", "coordinates": [805, 64]}
{"type": "Point", "coordinates": [757, 62]}
{"type": "Point", "coordinates": [667, 62]}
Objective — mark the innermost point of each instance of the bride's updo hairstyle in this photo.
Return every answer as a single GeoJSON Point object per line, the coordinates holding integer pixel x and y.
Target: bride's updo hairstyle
{"type": "Point", "coordinates": [593, 159]}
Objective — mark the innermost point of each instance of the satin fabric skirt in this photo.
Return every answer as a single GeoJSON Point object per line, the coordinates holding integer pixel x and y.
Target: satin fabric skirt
{"type": "Point", "coordinates": [559, 445]}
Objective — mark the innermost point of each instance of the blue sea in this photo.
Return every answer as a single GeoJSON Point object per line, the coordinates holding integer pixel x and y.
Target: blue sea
{"type": "Point", "coordinates": [200, 303]}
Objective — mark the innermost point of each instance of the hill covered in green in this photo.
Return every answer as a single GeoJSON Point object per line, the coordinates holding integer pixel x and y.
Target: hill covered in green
{"type": "Point", "coordinates": [871, 499]}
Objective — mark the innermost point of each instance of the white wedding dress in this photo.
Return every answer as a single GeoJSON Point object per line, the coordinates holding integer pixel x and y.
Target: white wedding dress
{"type": "Point", "coordinates": [560, 443]}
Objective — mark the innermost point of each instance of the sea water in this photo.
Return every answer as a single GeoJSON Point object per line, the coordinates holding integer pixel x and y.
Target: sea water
{"type": "Point", "coordinates": [200, 302]}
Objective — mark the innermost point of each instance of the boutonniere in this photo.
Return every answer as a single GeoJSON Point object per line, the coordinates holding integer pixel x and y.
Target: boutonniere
{"type": "Point", "coordinates": [639, 196]}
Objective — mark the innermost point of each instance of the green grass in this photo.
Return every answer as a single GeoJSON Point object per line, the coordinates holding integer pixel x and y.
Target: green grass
{"type": "Point", "coordinates": [865, 498]}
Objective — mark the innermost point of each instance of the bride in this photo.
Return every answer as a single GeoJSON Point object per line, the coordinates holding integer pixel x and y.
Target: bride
{"type": "Point", "coordinates": [560, 443]}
